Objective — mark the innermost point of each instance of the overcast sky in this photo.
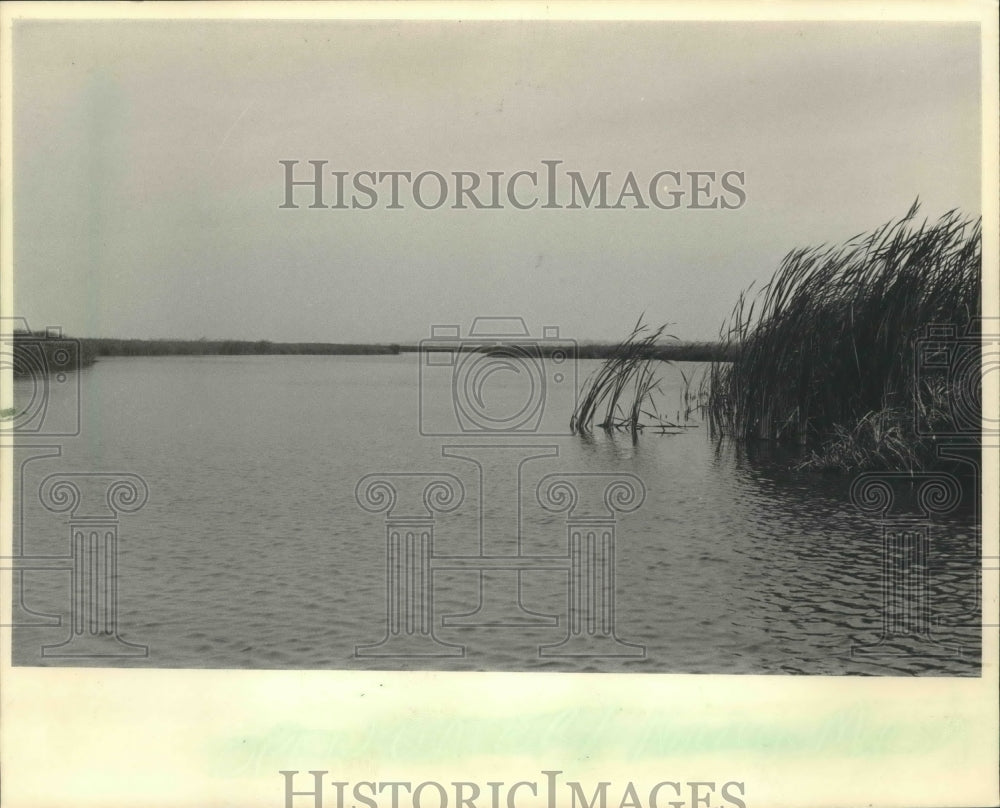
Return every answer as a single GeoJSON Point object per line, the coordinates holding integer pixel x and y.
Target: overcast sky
{"type": "Point", "coordinates": [147, 181]}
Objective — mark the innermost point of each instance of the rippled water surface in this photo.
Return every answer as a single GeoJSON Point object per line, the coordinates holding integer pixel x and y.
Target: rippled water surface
{"type": "Point", "coordinates": [252, 552]}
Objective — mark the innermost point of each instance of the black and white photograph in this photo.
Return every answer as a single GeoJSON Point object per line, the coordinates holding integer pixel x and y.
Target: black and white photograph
{"type": "Point", "coordinates": [353, 351]}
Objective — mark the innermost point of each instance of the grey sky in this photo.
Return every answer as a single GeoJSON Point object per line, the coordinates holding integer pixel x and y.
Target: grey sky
{"type": "Point", "coordinates": [147, 181]}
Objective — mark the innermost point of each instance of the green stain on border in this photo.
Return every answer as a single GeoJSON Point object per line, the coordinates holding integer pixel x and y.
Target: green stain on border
{"type": "Point", "coordinates": [581, 734]}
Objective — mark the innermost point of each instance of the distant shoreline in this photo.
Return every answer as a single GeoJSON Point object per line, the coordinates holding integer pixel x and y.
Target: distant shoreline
{"type": "Point", "coordinates": [93, 348]}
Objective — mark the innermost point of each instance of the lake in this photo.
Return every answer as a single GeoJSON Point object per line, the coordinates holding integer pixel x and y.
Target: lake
{"type": "Point", "coordinates": [252, 550]}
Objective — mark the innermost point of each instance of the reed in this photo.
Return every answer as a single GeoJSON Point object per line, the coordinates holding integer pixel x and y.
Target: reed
{"type": "Point", "coordinates": [624, 387]}
{"type": "Point", "coordinates": [824, 353]}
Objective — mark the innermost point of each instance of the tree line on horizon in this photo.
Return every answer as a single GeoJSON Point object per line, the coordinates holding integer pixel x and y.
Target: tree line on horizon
{"type": "Point", "coordinates": [39, 350]}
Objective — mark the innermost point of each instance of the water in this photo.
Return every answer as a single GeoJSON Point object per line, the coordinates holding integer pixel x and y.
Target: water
{"type": "Point", "coordinates": [252, 552]}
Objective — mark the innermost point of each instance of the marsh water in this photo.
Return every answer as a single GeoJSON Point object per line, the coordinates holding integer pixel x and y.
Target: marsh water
{"type": "Point", "coordinates": [252, 550]}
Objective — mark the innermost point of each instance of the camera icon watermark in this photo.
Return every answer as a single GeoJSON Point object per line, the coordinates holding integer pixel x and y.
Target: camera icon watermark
{"type": "Point", "coordinates": [500, 383]}
{"type": "Point", "coordinates": [46, 367]}
{"type": "Point", "coordinates": [949, 366]}
{"type": "Point", "coordinates": [497, 380]}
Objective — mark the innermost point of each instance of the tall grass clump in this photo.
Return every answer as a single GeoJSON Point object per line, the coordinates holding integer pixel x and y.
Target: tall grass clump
{"type": "Point", "coordinates": [824, 353]}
